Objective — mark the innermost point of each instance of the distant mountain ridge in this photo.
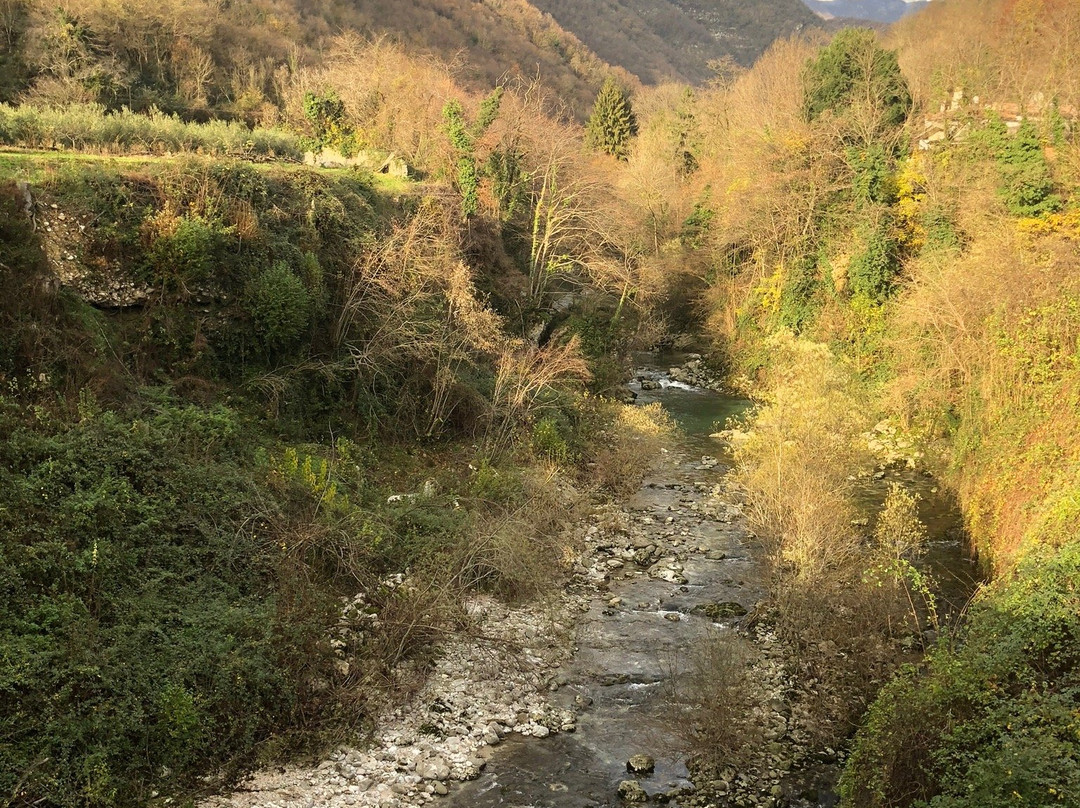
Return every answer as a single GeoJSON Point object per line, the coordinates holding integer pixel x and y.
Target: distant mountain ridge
{"type": "Point", "coordinates": [874, 10]}
{"type": "Point", "coordinates": [660, 40]}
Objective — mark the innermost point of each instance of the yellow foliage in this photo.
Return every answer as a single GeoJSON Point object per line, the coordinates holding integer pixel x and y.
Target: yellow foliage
{"type": "Point", "coordinates": [795, 464]}
{"type": "Point", "coordinates": [911, 202]}
{"type": "Point", "coordinates": [771, 289]}
{"type": "Point", "coordinates": [1065, 224]}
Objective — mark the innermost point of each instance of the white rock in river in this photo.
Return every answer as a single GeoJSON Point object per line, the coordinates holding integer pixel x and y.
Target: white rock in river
{"type": "Point", "coordinates": [433, 769]}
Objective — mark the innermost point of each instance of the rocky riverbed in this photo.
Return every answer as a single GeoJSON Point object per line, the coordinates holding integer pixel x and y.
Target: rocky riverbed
{"type": "Point", "coordinates": [546, 704]}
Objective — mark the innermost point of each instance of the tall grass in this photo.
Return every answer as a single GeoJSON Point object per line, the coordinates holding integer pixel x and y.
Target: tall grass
{"type": "Point", "coordinates": [91, 127]}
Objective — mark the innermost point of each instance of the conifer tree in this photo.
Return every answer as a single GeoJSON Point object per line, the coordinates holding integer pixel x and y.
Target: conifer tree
{"type": "Point", "coordinates": [612, 123]}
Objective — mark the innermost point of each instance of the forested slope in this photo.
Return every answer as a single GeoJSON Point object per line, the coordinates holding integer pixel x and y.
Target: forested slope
{"type": "Point", "coordinates": [201, 59]}
{"type": "Point", "coordinates": [930, 242]}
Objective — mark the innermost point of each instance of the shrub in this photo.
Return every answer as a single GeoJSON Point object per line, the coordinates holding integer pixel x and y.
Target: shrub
{"type": "Point", "coordinates": [145, 637]}
{"type": "Point", "coordinates": [183, 251]}
{"type": "Point", "coordinates": [328, 119]}
{"type": "Point", "coordinates": [719, 689]}
{"type": "Point", "coordinates": [992, 720]}
{"type": "Point", "coordinates": [623, 440]}
{"type": "Point", "coordinates": [796, 469]}
{"type": "Point", "coordinates": [279, 305]}
{"type": "Point", "coordinates": [87, 127]}
{"type": "Point", "coordinates": [548, 441]}
{"type": "Point", "coordinates": [1027, 186]}
{"type": "Point", "coordinates": [872, 272]}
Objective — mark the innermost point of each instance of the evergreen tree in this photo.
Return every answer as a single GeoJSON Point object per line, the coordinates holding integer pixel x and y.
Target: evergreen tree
{"type": "Point", "coordinates": [860, 82]}
{"type": "Point", "coordinates": [612, 123]}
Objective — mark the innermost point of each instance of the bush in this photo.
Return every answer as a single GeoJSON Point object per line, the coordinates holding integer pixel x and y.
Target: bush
{"type": "Point", "coordinates": [1027, 186]}
{"type": "Point", "coordinates": [183, 251]}
{"type": "Point", "coordinates": [280, 306]}
{"type": "Point", "coordinates": [548, 441]}
{"type": "Point", "coordinates": [796, 469]}
{"type": "Point", "coordinates": [89, 127]}
{"type": "Point", "coordinates": [992, 720]}
{"type": "Point", "coordinates": [145, 628]}
{"type": "Point", "coordinates": [872, 272]}
{"type": "Point", "coordinates": [623, 441]}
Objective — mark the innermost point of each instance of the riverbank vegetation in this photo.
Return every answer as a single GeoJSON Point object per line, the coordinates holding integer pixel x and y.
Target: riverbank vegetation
{"type": "Point", "coordinates": [238, 390]}
{"type": "Point", "coordinates": [237, 398]}
{"type": "Point", "coordinates": [929, 257]}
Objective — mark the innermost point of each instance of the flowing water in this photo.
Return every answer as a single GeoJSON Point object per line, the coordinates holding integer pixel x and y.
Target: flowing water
{"type": "Point", "coordinates": [639, 629]}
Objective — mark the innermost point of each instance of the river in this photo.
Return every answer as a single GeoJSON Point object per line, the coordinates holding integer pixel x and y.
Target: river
{"type": "Point", "coordinates": [641, 626]}
{"type": "Point", "coordinates": [661, 576]}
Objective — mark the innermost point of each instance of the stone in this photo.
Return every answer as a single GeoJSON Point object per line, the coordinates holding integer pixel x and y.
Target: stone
{"type": "Point", "coordinates": [631, 791]}
{"type": "Point", "coordinates": [433, 769]}
{"type": "Point", "coordinates": [640, 764]}
{"type": "Point", "coordinates": [441, 789]}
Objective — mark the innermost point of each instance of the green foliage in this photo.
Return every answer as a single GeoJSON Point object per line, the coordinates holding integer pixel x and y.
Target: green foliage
{"type": "Point", "coordinates": [992, 720]}
{"type": "Point", "coordinates": [1056, 126]}
{"type": "Point", "coordinates": [489, 111]}
{"type": "Point", "coordinates": [454, 124]}
{"type": "Point", "coordinates": [548, 441]}
{"type": "Point", "coordinates": [279, 304]}
{"type": "Point", "coordinates": [874, 174]}
{"type": "Point", "coordinates": [463, 139]}
{"type": "Point", "coordinates": [941, 232]}
{"type": "Point", "coordinates": [990, 139]}
{"type": "Point", "coordinates": [185, 253]}
{"type": "Point", "coordinates": [798, 303]}
{"type": "Point", "coordinates": [854, 76]}
{"type": "Point", "coordinates": [330, 122]}
{"type": "Point", "coordinates": [1027, 186]}
{"type": "Point", "coordinates": [91, 127]}
{"type": "Point", "coordinates": [468, 182]}
{"type": "Point", "coordinates": [612, 124]}
{"type": "Point", "coordinates": [505, 167]}
{"type": "Point", "coordinates": [697, 225]}
{"type": "Point", "coordinates": [872, 272]}
{"type": "Point", "coordinates": [492, 484]}
{"type": "Point", "coordinates": [142, 637]}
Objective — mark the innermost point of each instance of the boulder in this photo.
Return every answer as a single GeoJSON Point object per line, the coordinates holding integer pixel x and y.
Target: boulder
{"type": "Point", "coordinates": [631, 791]}
{"type": "Point", "coordinates": [640, 764]}
{"type": "Point", "coordinates": [433, 769]}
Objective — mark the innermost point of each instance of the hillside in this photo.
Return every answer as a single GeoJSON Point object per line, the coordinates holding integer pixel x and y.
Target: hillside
{"type": "Point", "coordinates": [677, 39]}
{"type": "Point", "coordinates": [270, 431]}
{"type": "Point", "coordinates": [240, 59]}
